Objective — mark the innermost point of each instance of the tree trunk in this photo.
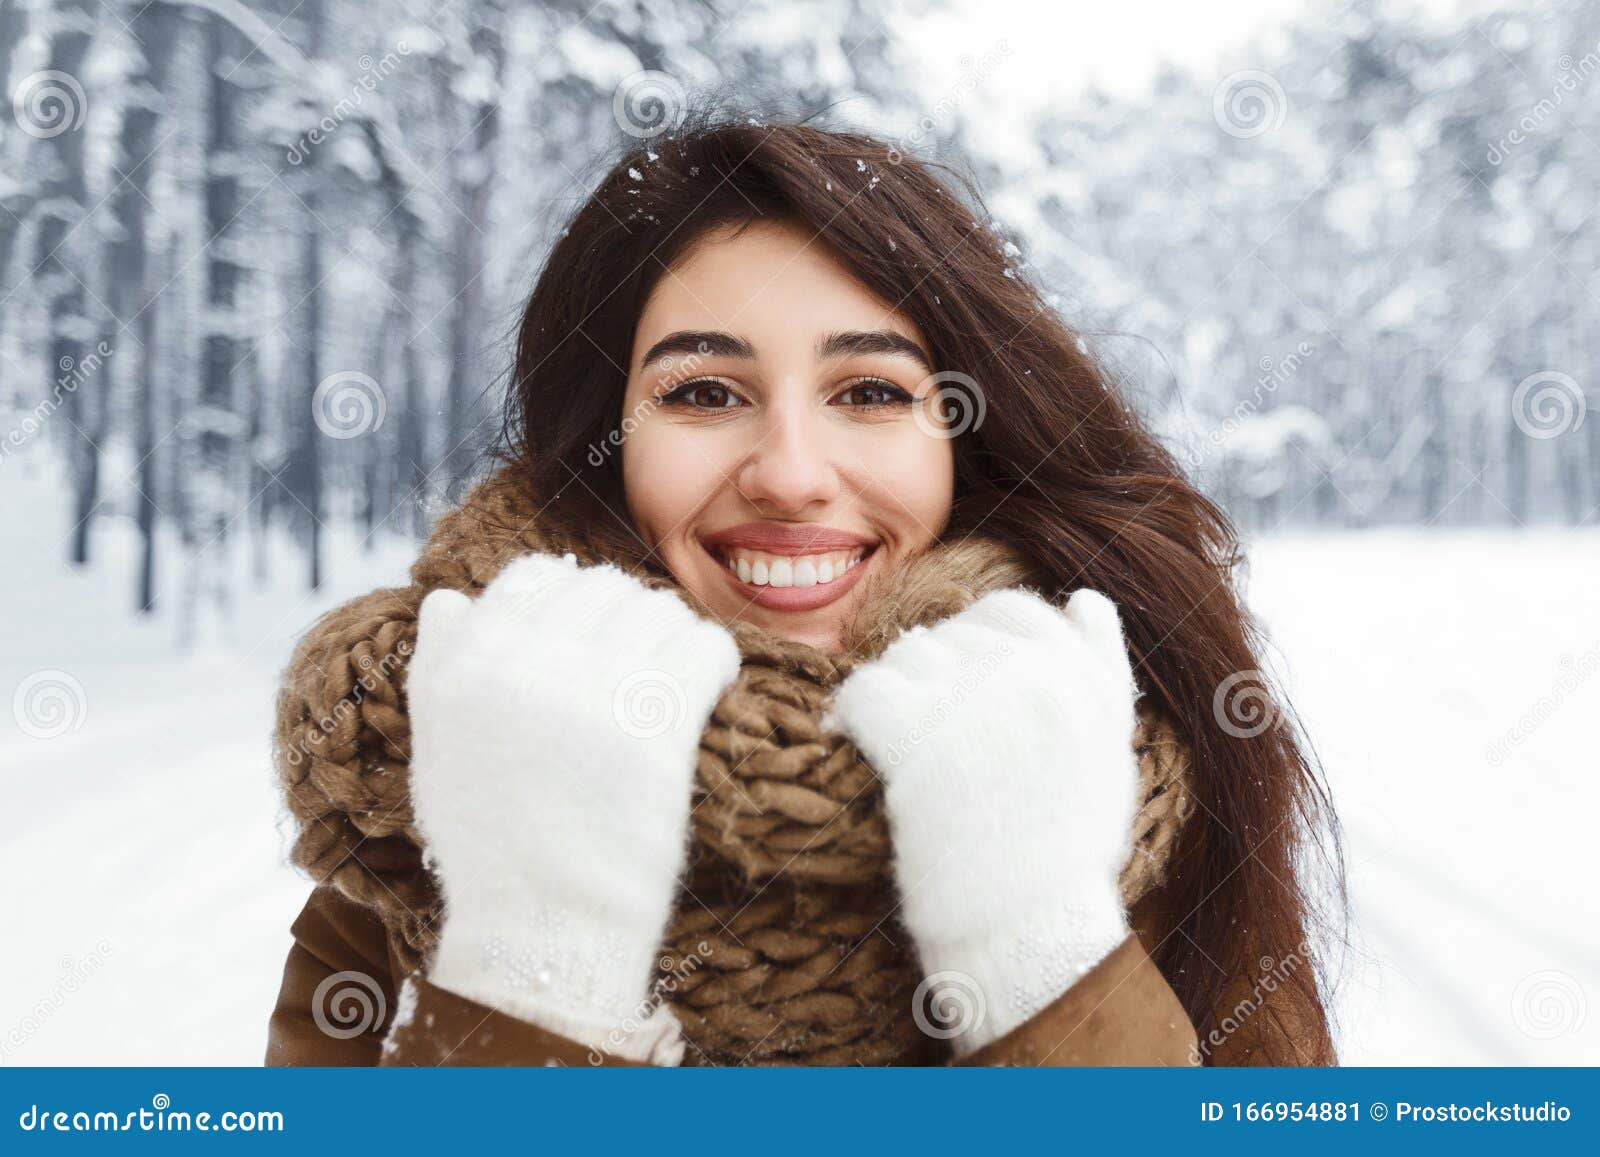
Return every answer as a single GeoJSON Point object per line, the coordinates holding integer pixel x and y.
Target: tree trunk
{"type": "Point", "coordinates": [60, 268]}
{"type": "Point", "coordinates": [474, 179]}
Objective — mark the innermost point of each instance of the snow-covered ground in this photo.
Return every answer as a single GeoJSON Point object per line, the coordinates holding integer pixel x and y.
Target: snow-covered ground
{"type": "Point", "coordinates": [1447, 678]}
{"type": "Point", "coordinates": [1451, 684]}
{"type": "Point", "coordinates": [142, 850]}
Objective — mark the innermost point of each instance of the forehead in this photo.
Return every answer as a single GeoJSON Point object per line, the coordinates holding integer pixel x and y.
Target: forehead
{"type": "Point", "coordinates": [772, 283]}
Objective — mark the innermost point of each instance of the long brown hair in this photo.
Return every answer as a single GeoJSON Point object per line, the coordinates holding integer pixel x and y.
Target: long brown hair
{"type": "Point", "coordinates": [1059, 467]}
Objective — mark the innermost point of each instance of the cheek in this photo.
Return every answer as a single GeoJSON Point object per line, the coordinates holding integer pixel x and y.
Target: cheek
{"type": "Point", "coordinates": [915, 477]}
{"type": "Point", "coordinates": [664, 479]}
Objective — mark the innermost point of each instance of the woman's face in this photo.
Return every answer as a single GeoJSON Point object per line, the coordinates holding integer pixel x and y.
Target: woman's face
{"type": "Point", "coordinates": [781, 441]}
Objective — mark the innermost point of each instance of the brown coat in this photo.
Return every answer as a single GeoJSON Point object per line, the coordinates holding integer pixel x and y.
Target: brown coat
{"type": "Point", "coordinates": [1121, 1013]}
{"type": "Point", "coordinates": [789, 873]}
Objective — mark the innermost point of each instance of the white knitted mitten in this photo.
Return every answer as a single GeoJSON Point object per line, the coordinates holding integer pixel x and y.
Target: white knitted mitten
{"type": "Point", "coordinates": [555, 729]}
{"type": "Point", "coordinates": [1004, 739]}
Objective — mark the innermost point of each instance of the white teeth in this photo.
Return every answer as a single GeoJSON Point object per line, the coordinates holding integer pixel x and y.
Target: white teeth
{"type": "Point", "coordinates": [787, 571]}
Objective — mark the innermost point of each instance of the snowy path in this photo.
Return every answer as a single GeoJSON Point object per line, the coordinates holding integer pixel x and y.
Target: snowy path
{"type": "Point", "coordinates": [143, 851]}
{"type": "Point", "coordinates": [144, 855]}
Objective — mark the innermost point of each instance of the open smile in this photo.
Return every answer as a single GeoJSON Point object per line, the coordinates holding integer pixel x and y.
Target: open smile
{"type": "Point", "coordinates": [790, 569]}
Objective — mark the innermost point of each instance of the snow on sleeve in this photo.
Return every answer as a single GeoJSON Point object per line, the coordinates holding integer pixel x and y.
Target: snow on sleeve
{"type": "Point", "coordinates": [405, 1011]}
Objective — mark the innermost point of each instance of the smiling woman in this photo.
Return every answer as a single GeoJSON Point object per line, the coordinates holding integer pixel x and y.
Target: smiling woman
{"type": "Point", "coordinates": [867, 707]}
{"type": "Point", "coordinates": [776, 465]}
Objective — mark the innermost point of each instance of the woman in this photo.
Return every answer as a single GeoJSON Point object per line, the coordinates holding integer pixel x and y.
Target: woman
{"type": "Point", "coordinates": [834, 670]}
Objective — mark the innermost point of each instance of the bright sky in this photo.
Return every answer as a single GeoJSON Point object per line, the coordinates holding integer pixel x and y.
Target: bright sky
{"type": "Point", "coordinates": [1060, 46]}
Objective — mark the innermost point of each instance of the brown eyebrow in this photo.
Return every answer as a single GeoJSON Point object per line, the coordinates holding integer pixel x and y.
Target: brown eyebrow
{"type": "Point", "coordinates": [706, 343]}
{"type": "Point", "coordinates": [876, 341]}
{"type": "Point", "coordinates": [716, 343]}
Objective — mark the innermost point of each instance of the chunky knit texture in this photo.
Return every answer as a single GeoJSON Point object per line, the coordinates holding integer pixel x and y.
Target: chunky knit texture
{"type": "Point", "coordinates": [784, 946]}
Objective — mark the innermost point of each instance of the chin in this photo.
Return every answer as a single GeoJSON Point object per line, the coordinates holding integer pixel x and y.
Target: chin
{"type": "Point", "coordinates": [822, 636]}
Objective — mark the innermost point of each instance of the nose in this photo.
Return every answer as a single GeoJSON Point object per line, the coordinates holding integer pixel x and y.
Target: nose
{"type": "Point", "coordinates": [790, 467]}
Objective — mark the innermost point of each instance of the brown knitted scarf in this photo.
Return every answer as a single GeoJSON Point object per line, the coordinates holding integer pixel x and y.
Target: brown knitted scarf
{"type": "Point", "coordinates": [784, 948]}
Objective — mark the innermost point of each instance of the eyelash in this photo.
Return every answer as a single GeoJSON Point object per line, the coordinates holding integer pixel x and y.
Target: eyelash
{"type": "Point", "coordinates": [680, 395]}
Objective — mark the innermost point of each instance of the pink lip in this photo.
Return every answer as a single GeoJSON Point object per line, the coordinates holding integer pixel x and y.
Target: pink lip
{"type": "Point", "coordinates": [795, 598]}
{"type": "Point", "coordinates": [790, 598]}
{"type": "Point", "coordinates": [790, 538]}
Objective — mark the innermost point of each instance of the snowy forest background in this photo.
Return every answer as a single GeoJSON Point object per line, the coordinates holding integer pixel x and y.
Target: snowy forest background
{"type": "Point", "coordinates": [1357, 284]}
{"type": "Point", "coordinates": [259, 258]}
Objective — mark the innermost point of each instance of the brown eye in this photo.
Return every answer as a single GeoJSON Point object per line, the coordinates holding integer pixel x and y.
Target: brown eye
{"type": "Point", "coordinates": [874, 393]}
{"type": "Point", "coordinates": [702, 395]}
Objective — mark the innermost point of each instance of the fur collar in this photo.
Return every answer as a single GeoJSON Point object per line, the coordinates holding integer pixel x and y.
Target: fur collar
{"type": "Point", "coordinates": [499, 521]}
{"type": "Point", "coordinates": [791, 852]}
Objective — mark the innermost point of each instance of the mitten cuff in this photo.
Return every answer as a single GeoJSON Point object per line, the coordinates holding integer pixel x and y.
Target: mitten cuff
{"type": "Point", "coordinates": [651, 1036]}
{"type": "Point", "coordinates": [981, 988]}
